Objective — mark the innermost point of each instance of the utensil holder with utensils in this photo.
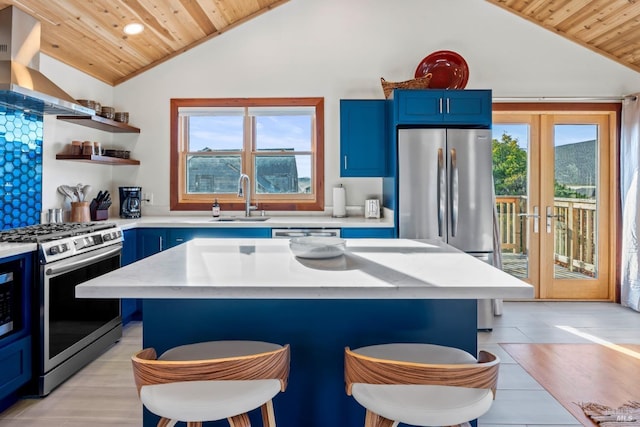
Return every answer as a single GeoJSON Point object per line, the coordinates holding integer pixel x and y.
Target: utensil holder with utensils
{"type": "Point", "coordinates": [80, 212]}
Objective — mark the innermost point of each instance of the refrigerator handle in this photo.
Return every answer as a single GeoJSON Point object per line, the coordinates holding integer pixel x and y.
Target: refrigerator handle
{"type": "Point", "coordinates": [442, 182]}
{"type": "Point", "coordinates": [454, 193]}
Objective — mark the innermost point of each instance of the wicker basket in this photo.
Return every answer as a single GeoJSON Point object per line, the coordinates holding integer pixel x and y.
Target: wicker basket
{"type": "Point", "coordinates": [418, 83]}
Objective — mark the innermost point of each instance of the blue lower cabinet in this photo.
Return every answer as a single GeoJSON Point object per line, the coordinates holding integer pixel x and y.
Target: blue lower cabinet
{"type": "Point", "coordinates": [177, 236]}
{"type": "Point", "coordinates": [129, 247]}
{"type": "Point", "coordinates": [130, 308]}
{"type": "Point", "coordinates": [150, 241]}
{"type": "Point", "coordinates": [361, 233]}
{"type": "Point", "coordinates": [15, 347]}
{"type": "Point", "coordinates": [15, 360]}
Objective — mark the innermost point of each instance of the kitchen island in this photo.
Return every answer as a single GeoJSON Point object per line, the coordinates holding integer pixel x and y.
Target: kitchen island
{"type": "Point", "coordinates": [381, 290]}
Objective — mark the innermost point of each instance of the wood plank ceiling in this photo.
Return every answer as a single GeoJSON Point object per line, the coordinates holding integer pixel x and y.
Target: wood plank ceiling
{"type": "Point", "coordinates": [88, 34]}
{"type": "Point", "coordinates": [608, 27]}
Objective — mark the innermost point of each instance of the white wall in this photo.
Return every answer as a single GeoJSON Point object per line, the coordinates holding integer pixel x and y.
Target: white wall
{"type": "Point", "coordinates": [339, 49]}
{"type": "Point", "coordinates": [58, 134]}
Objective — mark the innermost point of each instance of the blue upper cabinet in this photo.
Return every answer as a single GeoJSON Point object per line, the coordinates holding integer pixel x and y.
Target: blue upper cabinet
{"type": "Point", "coordinates": [470, 108]}
{"type": "Point", "coordinates": [363, 138]}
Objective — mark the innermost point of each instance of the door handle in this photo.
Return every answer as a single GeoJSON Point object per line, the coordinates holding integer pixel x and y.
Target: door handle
{"type": "Point", "coordinates": [536, 218]}
{"type": "Point", "coordinates": [454, 193]}
{"type": "Point", "coordinates": [550, 216]}
{"type": "Point", "coordinates": [440, 192]}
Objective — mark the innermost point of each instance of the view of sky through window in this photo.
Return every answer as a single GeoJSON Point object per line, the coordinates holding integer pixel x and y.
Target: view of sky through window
{"type": "Point", "coordinates": [215, 133]}
{"type": "Point", "coordinates": [273, 132]}
{"type": "Point", "coordinates": [565, 134]}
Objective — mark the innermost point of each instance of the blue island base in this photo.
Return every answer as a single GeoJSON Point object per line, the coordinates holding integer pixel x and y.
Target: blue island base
{"type": "Point", "coordinates": [317, 331]}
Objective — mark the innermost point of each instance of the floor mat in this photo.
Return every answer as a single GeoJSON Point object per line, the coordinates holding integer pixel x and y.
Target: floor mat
{"type": "Point", "coordinates": [627, 415]}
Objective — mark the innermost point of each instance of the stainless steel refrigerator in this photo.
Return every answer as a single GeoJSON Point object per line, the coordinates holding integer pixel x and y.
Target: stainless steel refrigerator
{"type": "Point", "coordinates": [445, 191]}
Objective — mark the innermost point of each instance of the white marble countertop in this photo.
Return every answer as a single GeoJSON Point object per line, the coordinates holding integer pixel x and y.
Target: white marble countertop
{"type": "Point", "coordinates": [206, 221]}
{"type": "Point", "coordinates": [11, 249]}
{"type": "Point", "coordinates": [266, 269]}
{"type": "Point", "coordinates": [276, 221]}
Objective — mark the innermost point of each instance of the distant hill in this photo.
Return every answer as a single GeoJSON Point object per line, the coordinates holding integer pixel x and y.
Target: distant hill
{"type": "Point", "coordinates": [576, 164]}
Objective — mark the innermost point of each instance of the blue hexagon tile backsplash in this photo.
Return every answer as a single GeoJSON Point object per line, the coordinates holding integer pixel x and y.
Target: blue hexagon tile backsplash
{"type": "Point", "coordinates": [20, 168]}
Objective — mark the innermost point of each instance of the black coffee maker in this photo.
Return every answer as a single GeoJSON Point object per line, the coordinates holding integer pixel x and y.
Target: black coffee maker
{"type": "Point", "coordinates": [130, 202]}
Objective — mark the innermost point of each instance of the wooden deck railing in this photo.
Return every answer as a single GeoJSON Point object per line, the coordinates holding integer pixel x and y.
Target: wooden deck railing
{"type": "Point", "coordinates": [512, 226]}
{"type": "Point", "coordinates": [574, 230]}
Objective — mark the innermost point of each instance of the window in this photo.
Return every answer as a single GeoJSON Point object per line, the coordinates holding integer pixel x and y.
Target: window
{"type": "Point", "coordinates": [277, 142]}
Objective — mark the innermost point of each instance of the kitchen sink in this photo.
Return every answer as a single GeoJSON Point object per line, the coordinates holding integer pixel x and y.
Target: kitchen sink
{"type": "Point", "coordinates": [242, 218]}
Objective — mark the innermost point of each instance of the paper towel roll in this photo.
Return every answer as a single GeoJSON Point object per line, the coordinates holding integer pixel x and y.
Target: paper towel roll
{"type": "Point", "coordinates": [339, 202]}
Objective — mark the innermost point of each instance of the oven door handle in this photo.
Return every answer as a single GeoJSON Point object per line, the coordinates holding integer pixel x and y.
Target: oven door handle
{"type": "Point", "coordinates": [82, 260]}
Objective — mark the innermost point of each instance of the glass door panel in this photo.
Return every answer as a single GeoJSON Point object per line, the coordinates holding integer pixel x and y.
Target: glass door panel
{"type": "Point", "coordinates": [574, 203]}
{"type": "Point", "coordinates": [510, 176]}
{"type": "Point", "coordinates": [515, 172]}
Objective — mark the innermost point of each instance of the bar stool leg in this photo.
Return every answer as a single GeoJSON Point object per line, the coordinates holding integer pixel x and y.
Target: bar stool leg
{"type": "Point", "coordinates": [268, 416]}
{"type": "Point", "coordinates": [194, 424]}
{"type": "Point", "coordinates": [165, 422]}
{"type": "Point", "coordinates": [374, 420]}
{"type": "Point", "coordinates": [241, 420]}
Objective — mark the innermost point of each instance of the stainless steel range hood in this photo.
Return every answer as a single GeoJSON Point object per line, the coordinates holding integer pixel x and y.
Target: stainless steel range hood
{"type": "Point", "coordinates": [22, 86]}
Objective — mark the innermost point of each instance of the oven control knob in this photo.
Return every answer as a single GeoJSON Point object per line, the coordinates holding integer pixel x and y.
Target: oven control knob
{"type": "Point", "coordinates": [58, 249]}
{"type": "Point", "coordinates": [106, 237]}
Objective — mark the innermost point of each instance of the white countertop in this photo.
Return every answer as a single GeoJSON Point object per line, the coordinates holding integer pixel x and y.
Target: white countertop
{"type": "Point", "coordinates": [276, 221]}
{"type": "Point", "coordinates": [205, 221]}
{"type": "Point", "coordinates": [266, 268]}
{"type": "Point", "coordinates": [11, 249]}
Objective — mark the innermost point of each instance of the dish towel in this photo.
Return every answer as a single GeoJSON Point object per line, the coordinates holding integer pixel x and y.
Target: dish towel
{"type": "Point", "coordinates": [626, 415]}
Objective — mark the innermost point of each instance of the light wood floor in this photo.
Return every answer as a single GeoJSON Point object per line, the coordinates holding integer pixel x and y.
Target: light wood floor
{"type": "Point", "coordinates": [573, 373]}
{"type": "Point", "coordinates": [102, 394]}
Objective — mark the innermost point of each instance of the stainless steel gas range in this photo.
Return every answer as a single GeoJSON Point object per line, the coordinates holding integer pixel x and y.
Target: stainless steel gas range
{"type": "Point", "coordinates": [68, 332]}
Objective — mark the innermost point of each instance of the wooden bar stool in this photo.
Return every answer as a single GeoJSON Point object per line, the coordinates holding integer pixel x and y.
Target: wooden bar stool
{"type": "Point", "coordinates": [212, 381]}
{"type": "Point", "coordinates": [420, 384]}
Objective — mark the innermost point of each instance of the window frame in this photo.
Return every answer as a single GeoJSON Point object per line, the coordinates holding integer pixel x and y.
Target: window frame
{"type": "Point", "coordinates": [181, 201]}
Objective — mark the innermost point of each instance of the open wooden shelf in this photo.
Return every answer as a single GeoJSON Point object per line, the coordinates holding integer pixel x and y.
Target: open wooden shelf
{"type": "Point", "coordinates": [102, 123]}
{"type": "Point", "coordinates": [97, 159]}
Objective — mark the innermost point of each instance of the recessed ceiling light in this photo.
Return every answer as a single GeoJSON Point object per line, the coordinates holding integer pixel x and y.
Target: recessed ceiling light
{"type": "Point", "coordinates": [133, 28]}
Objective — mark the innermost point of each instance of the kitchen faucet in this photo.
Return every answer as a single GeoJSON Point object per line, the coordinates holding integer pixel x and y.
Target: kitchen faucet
{"type": "Point", "coordinates": [246, 193]}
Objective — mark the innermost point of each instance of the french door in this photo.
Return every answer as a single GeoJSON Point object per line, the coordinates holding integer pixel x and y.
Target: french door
{"type": "Point", "coordinates": [554, 185]}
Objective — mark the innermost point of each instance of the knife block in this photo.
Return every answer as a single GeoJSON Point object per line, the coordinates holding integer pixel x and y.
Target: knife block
{"type": "Point", "coordinates": [99, 214]}
{"type": "Point", "coordinates": [80, 212]}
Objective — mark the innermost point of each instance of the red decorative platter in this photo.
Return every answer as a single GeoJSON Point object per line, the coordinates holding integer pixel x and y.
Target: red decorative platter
{"type": "Point", "coordinates": [449, 70]}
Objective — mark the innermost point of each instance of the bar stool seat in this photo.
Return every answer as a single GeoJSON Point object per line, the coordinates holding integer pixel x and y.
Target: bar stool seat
{"type": "Point", "coordinates": [420, 384]}
{"type": "Point", "coordinates": [212, 381]}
